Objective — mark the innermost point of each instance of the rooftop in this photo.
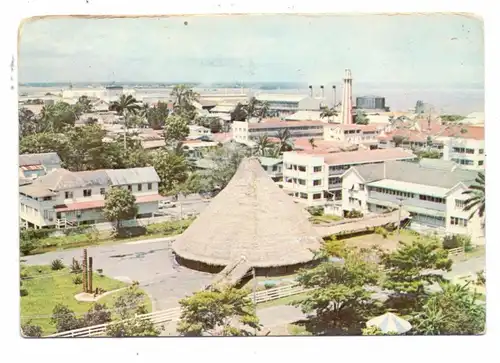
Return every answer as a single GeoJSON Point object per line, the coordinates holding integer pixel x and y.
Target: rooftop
{"type": "Point", "coordinates": [50, 158]}
{"type": "Point", "coordinates": [367, 156]}
{"type": "Point", "coordinates": [284, 124]}
{"type": "Point", "coordinates": [417, 173]}
{"type": "Point", "coordinates": [277, 97]}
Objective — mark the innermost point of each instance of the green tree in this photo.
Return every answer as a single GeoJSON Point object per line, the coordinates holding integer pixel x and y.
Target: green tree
{"type": "Point", "coordinates": [157, 115]}
{"type": "Point", "coordinates": [28, 329]}
{"type": "Point", "coordinates": [172, 168]}
{"type": "Point", "coordinates": [45, 142]}
{"type": "Point", "coordinates": [398, 140]}
{"type": "Point", "coordinates": [361, 118]}
{"type": "Point", "coordinates": [340, 302]}
{"type": "Point", "coordinates": [184, 97]}
{"type": "Point", "coordinates": [414, 266]}
{"type": "Point", "coordinates": [127, 307]}
{"type": "Point", "coordinates": [285, 140]}
{"type": "Point", "coordinates": [225, 312]}
{"type": "Point", "coordinates": [119, 205]}
{"type": "Point", "coordinates": [96, 315]}
{"type": "Point", "coordinates": [126, 105]}
{"type": "Point", "coordinates": [263, 144]}
{"type": "Point", "coordinates": [65, 319]}
{"type": "Point", "coordinates": [176, 129]}
{"type": "Point", "coordinates": [28, 123]}
{"type": "Point", "coordinates": [57, 117]}
{"type": "Point", "coordinates": [312, 143]}
{"type": "Point", "coordinates": [84, 105]}
{"type": "Point", "coordinates": [452, 118]}
{"type": "Point", "coordinates": [419, 107]}
{"type": "Point", "coordinates": [328, 113]}
{"type": "Point", "coordinates": [453, 311]}
{"type": "Point", "coordinates": [476, 202]}
{"type": "Point", "coordinates": [252, 108]}
{"type": "Point", "coordinates": [239, 113]}
{"type": "Point", "coordinates": [226, 162]}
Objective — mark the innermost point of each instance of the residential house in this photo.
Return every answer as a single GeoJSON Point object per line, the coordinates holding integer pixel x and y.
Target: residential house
{"type": "Point", "coordinates": [432, 194]}
{"type": "Point", "coordinates": [32, 166]}
{"type": "Point", "coordinates": [63, 198]}
{"type": "Point", "coordinates": [316, 178]}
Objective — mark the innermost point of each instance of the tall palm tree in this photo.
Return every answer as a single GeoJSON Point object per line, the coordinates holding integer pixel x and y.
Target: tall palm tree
{"type": "Point", "coordinates": [285, 140]}
{"type": "Point", "coordinates": [264, 110]}
{"type": "Point", "coordinates": [184, 97]}
{"type": "Point", "coordinates": [252, 107]}
{"type": "Point", "coordinates": [263, 144]}
{"type": "Point", "coordinates": [328, 112]}
{"type": "Point", "coordinates": [477, 201]}
{"type": "Point", "coordinates": [126, 104]}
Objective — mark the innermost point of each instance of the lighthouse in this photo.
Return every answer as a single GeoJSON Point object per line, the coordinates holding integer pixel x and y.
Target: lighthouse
{"type": "Point", "coordinates": [347, 98]}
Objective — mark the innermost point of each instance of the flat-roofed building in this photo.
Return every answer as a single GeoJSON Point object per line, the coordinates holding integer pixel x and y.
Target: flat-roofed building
{"type": "Point", "coordinates": [245, 132]}
{"type": "Point", "coordinates": [287, 104]}
{"type": "Point", "coordinates": [354, 134]}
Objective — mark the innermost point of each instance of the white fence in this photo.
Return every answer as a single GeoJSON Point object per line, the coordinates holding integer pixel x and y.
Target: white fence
{"type": "Point", "coordinates": [455, 251]}
{"type": "Point", "coordinates": [174, 314]}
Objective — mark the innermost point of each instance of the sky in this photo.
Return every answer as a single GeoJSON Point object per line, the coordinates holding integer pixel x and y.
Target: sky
{"type": "Point", "coordinates": [411, 49]}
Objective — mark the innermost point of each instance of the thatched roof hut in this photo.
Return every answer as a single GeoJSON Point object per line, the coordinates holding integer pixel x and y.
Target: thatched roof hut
{"type": "Point", "coordinates": [252, 218]}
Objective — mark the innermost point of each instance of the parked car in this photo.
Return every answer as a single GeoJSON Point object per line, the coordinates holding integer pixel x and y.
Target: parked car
{"type": "Point", "coordinates": [166, 204]}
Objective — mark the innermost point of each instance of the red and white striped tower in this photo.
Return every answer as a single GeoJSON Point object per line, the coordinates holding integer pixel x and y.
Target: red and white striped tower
{"type": "Point", "coordinates": [347, 98]}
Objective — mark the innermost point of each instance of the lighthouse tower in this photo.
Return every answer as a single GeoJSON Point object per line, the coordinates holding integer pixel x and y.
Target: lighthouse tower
{"type": "Point", "coordinates": [347, 98]}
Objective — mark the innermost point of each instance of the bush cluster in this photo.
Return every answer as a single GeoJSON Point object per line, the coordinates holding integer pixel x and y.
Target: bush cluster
{"type": "Point", "coordinates": [457, 240]}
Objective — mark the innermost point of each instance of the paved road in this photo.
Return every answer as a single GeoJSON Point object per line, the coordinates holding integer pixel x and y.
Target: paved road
{"type": "Point", "coordinates": [149, 262]}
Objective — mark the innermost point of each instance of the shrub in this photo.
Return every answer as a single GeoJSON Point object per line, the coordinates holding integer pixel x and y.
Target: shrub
{"type": "Point", "coordinates": [57, 264]}
{"type": "Point", "coordinates": [128, 232]}
{"type": "Point", "coordinates": [333, 247]}
{"type": "Point", "coordinates": [77, 280]}
{"type": "Point", "coordinates": [76, 267]}
{"type": "Point", "coordinates": [457, 240]}
{"type": "Point", "coordinates": [27, 246]}
{"type": "Point", "coordinates": [316, 211]}
{"type": "Point", "coordinates": [23, 292]}
{"type": "Point", "coordinates": [354, 214]}
{"type": "Point", "coordinates": [36, 234]}
{"type": "Point", "coordinates": [30, 330]}
{"type": "Point", "coordinates": [381, 231]}
{"type": "Point", "coordinates": [269, 285]}
{"type": "Point", "coordinates": [480, 278]}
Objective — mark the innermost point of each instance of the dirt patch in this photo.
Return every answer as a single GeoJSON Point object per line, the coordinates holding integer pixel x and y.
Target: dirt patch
{"type": "Point", "coordinates": [370, 240]}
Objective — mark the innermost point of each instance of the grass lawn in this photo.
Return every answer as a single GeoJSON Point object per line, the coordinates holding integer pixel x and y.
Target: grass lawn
{"type": "Point", "coordinates": [283, 301]}
{"type": "Point", "coordinates": [156, 230]}
{"type": "Point", "coordinates": [475, 252]}
{"type": "Point", "coordinates": [44, 293]}
{"type": "Point", "coordinates": [324, 219]}
{"type": "Point", "coordinates": [372, 239]}
{"type": "Point", "coordinates": [294, 329]}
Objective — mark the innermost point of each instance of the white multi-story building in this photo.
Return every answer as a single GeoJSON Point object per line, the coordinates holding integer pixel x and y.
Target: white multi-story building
{"type": "Point", "coordinates": [287, 104]}
{"type": "Point", "coordinates": [314, 179]}
{"type": "Point", "coordinates": [352, 133]}
{"type": "Point", "coordinates": [433, 195]}
{"type": "Point", "coordinates": [273, 168]}
{"type": "Point", "coordinates": [245, 132]}
{"type": "Point", "coordinates": [468, 153]}
{"type": "Point", "coordinates": [61, 197]}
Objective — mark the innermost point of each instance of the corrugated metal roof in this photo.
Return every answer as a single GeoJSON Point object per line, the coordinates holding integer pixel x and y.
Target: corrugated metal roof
{"type": "Point", "coordinates": [410, 187]}
{"type": "Point", "coordinates": [50, 158]}
{"type": "Point", "coordinates": [415, 173]}
{"type": "Point", "coordinates": [132, 176]}
{"type": "Point", "coordinates": [270, 161]}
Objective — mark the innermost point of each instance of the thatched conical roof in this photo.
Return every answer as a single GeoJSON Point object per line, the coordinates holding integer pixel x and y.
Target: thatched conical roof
{"type": "Point", "coordinates": [251, 217]}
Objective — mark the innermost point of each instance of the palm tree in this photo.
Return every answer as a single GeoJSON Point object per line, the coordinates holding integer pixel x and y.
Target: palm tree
{"type": "Point", "coordinates": [328, 112]}
{"type": "Point", "coordinates": [263, 144]}
{"type": "Point", "coordinates": [251, 107]}
{"type": "Point", "coordinates": [126, 104]}
{"type": "Point", "coordinates": [476, 202]}
{"type": "Point", "coordinates": [264, 110]}
{"type": "Point", "coordinates": [285, 140]}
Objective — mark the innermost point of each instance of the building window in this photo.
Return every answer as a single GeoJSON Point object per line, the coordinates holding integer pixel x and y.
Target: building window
{"type": "Point", "coordinates": [103, 191]}
{"type": "Point", "coordinates": [87, 192]}
{"type": "Point", "coordinates": [302, 168]}
{"type": "Point", "coordinates": [264, 167]}
{"type": "Point", "coordinates": [47, 198]}
{"type": "Point", "coordinates": [317, 196]}
{"type": "Point", "coordinates": [68, 195]}
{"type": "Point", "coordinates": [429, 198]}
{"type": "Point", "coordinates": [462, 222]}
{"type": "Point", "coordinates": [469, 151]}
{"type": "Point", "coordinates": [302, 181]}
{"type": "Point", "coordinates": [480, 162]}
{"type": "Point", "coordinates": [288, 166]}
{"type": "Point", "coordinates": [150, 186]}
{"type": "Point", "coordinates": [317, 169]}
{"type": "Point", "coordinates": [317, 182]}
{"type": "Point", "coordinates": [459, 203]}
{"type": "Point", "coordinates": [275, 167]}
{"type": "Point", "coordinates": [458, 149]}
{"type": "Point", "coordinates": [139, 187]}
{"type": "Point", "coordinates": [361, 187]}
{"type": "Point", "coordinates": [481, 151]}
{"type": "Point", "coordinates": [129, 187]}
{"type": "Point", "coordinates": [303, 195]}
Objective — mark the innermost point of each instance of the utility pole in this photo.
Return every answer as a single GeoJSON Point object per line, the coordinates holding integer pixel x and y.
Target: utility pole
{"type": "Point", "coordinates": [254, 293]}
{"type": "Point", "coordinates": [399, 213]}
